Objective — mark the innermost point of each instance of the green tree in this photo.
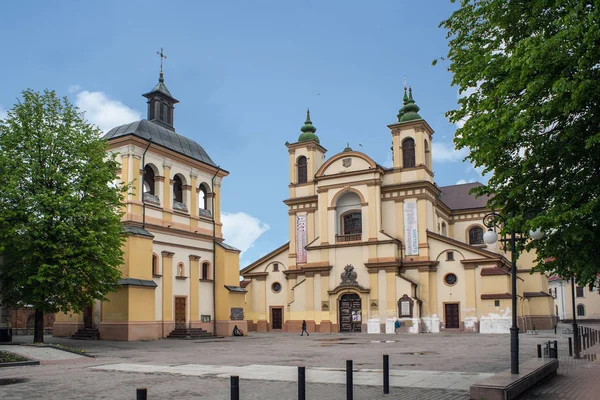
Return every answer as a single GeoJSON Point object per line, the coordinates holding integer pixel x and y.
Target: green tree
{"type": "Point", "coordinates": [60, 203]}
{"type": "Point", "coordinates": [529, 71]}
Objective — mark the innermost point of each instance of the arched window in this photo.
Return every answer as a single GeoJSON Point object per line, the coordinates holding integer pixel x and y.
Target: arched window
{"type": "Point", "coordinates": [205, 267]}
{"type": "Point", "coordinates": [148, 180]}
{"type": "Point", "coordinates": [302, 172]}
{"type": "Point", "coordinates": [408, 153]}
{"type": "Point", "coordinates": [154, 264]}
{"type": "Point", "coordinates": [177, 189]}
{"type": "Point", "coordinates": [580, 310]}
{"type": "Point", "coordinates": [30, 324]}
{"type": "Point", "coordinates": [427, 155]}
{"type": "Point", "coordinates": [203, 198]}
{"type": "Point", "coordinates": [348, 209]}
{"type": "Point", "coordinates": [444, 230]}
{"type": "Point", "coordinates": [476, 235]}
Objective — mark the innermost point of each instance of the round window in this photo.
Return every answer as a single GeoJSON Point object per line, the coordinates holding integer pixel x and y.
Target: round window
{"type": "Point", "coordinates": [276, 287]}
{"type": "Point", "coordinates": [450, 279]}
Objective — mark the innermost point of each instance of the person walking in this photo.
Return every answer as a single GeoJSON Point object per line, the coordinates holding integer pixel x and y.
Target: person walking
{"type": "Point", "coordinates": [304, 328]}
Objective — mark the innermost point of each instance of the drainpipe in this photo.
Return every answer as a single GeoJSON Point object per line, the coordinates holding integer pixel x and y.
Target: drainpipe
{"type": "Point", "coordinates": [142, 185]}
{"type": "Point", "coordinates": [214, 254]}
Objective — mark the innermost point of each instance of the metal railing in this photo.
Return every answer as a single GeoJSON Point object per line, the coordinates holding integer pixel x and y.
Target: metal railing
{"type": "Point", "coordinates": [348, 238]}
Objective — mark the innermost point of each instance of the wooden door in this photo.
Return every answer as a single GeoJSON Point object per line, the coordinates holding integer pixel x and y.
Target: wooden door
{"type": "Point", "coordinates": [88, 317]}
{"type": "Point", "coordinates": [350, 313]}
{"type": "Point", "coordinates": [276, 318]}
{"type": "Point", "coordinates": [452, 318]}
{"type": "Point", "coordinates": [180, 313]}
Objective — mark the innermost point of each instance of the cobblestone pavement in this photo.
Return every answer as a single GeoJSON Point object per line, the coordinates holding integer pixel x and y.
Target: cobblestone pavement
{"type": "Point", "coordinates": [578, 379]}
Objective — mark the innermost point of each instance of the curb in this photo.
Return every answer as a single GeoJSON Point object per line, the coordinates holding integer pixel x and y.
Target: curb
{"type": "Point", "coordinates": [19, 364]}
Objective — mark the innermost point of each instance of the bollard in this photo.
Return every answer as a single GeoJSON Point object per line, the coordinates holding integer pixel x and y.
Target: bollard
{"type": "Point", "coordinates": [349, 384]}
{"type": "Point", "coordinates": [570, 347]}
{"type": "Point", "coordinates": [141, 394]}
{"type": "Point", "coordinates": [539, 348]}
{"type": "Point", "coordinates": [235, 387]}
{"type": "Point", "coordinates": [386, 374]}
{"type": "Point", "coordinates": [555, 329]}
{"type": "Point", "coordinates": [582, 339]}
{"type": "Point", "coordinates": [301, 383]}
{"type": "Point", "coordinates": [588, 337]}
{"type": "Point", "coordinates": [556, 349]}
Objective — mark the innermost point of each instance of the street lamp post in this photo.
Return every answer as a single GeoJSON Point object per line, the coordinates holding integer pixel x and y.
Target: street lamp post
{"type": "Point", "coordinates": [491, 221]}
{"type": "Point", "coordinates": [575, 329]}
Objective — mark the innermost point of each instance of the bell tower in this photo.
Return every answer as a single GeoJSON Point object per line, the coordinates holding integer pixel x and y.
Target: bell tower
{"type": "Point", "coordinates": [161, 104]}
{"type": "Point", "coordinates": [411, 143]}
{"type": "Point", "coordinates": [306, 155]}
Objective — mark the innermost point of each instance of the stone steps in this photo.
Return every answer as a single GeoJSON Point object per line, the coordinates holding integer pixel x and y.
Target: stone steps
{"type": "Point", "coordinates": [185, 333]}
{"type": "Point", "coordinates": [86, 334]}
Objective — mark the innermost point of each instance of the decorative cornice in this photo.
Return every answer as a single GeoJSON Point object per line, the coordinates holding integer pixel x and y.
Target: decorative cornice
{"type": "Point", "coordinates": [301, 200]}
{"type": "Point", "coordinates": [495, 296]}
{"type": "Point", "coordinates": [493, 271]}
{"type": "Point", "coordinates": [194, 257]}
{"type": "Point", "coordinates": [167, 254]}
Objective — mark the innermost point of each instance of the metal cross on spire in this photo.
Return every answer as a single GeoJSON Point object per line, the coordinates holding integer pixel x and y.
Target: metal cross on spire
{"type": "Point", "coordinates": [404, 81]}
{"type": "Point", "coordinates": [161, 53]}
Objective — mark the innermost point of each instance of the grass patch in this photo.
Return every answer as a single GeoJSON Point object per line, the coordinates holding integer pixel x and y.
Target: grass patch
{"type": "Point", "coordinates": [58, 346]}
{"type": "Point", "coordinates": [6, 357]}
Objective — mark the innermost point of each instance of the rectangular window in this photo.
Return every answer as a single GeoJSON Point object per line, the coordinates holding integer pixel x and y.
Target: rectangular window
{"type": "Point", "coordinates": [579, 291]}
{"type": "Point", "coordinates": [449, 256]}
{"type": "Point", "coordinates": [497, 303]}
{"type": "Point", "coordinates": [205, 318]}
{"type": "Point", "coordinates": [275, 267]}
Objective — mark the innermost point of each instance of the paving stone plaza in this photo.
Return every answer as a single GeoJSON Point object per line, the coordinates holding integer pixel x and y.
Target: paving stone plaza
{"type": "Point", "coordinates": [441, 366]}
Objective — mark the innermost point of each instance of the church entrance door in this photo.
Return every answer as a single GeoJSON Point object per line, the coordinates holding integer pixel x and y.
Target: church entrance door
{"type": "Point", "coordinates": [88, 317]}
{"type": "Point", "coordinates": [179, 312]}
{"type": "Point", "coordinates": [276, 317]}
{"type": "Point", "coordinates": [350, 313]}
{"type": "Point", "coordinates": [452, 318]}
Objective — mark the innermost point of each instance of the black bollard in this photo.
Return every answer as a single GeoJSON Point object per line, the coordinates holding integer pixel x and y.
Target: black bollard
{"type": "Point", "coordinates": [141, 394]}
{"type": "Point", "coordinates": [555, 329]}
{"type": "Point", "coordinates": [588, 337]}
{"type": "Point", "coordinates": [539, 348]}
{"type": "Point", "coordinates": [301, 383]}
{"type": "Point", "coordinates": [349, 384]}
{"type": "Point", "coordinates": [235, 387]}
{"type": "Point", "coordinates": [570, 347]}
{"type": "Point", "coordinates": [386, 374]}
{"type": "Point", "coordinates": [556, 349]}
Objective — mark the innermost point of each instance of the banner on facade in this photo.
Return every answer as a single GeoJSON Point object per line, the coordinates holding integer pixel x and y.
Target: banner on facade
{"type": "Point", "coordinates": [411, 232]}
{"type": "Point", "coordinates": [300, 238]}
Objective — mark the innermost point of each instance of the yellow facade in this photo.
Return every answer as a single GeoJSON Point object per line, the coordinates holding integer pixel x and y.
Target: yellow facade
{"type": "Point", "coordinates": [370, 245]}
{"type": "Point", "coordinates": [176, 265]}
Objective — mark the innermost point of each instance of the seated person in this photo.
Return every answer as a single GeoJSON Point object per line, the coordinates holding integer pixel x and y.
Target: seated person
{"type": "Point", "coordinates": [237, 331]}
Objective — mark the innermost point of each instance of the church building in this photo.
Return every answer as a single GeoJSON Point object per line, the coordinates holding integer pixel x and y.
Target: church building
{"type": "Point", "coordinates": [179, 278]}
{"type": "Point", "coordinates": [370, 245]}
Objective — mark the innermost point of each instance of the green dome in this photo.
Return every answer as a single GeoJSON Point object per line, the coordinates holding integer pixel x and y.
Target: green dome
{"type": "Point", "coordinates": [409, 111]}
{"type": "Point", "coordinates": [308, 130]}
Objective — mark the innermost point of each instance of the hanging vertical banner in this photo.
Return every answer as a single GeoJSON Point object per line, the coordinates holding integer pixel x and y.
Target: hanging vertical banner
{"type": "Point", "coordinates": [300, 238]}
{"type": "Point", "coordinates": [411, 232]}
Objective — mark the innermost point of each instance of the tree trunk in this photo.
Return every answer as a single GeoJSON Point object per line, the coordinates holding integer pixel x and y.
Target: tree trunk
{"type": "Point", "coordinates": [38, 333]}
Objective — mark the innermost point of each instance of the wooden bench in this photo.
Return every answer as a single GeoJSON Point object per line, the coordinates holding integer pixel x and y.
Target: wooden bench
{"type": "Point", "coordinates": [506, 386]}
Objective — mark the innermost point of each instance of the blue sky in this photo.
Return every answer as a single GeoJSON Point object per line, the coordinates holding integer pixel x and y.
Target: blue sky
{"type": "Point", "coordinates": [245, 72]}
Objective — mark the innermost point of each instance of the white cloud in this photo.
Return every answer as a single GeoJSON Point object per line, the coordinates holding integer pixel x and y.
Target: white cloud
{"type": "Point", "coordinates": [241, 230]}
{"type": "Point", "coordinates": [103, 111]}
{"type": "Point", "coordinates": [3, 112]}
{"type": "Point", "coordinates": [463, 181]}
{"type": "Point", "coordinates": [446, 153]}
